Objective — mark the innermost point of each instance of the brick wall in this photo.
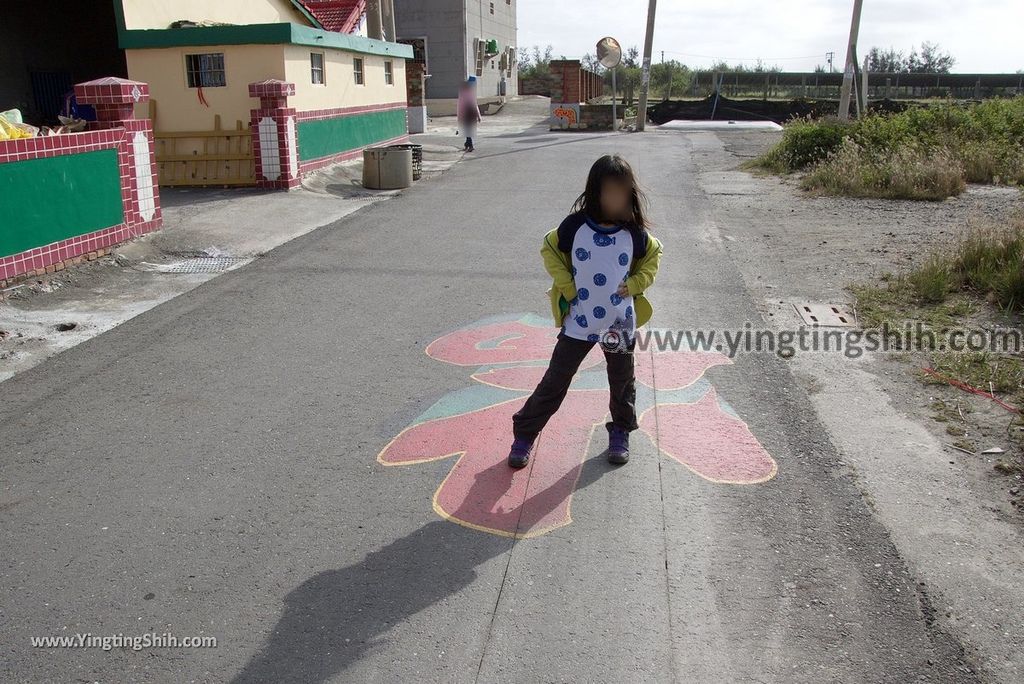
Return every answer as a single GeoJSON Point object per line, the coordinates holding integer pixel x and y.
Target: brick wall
{"type": "Point", "coordinates": [415, 83]}
{"type": "Point", "coordinates": [69, 198]}
{"type": "Point", "coordinates": [573, 83]}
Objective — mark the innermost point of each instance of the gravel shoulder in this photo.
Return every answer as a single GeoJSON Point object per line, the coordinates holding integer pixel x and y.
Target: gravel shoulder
{"type": "Point", "coordinates": [951, 514]}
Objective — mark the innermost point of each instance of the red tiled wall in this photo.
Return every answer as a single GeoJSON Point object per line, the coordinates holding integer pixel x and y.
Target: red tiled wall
{"type": "Point", "coordinates": [273, 95]}
{"type": "Point", "coordinates": [105, 135]}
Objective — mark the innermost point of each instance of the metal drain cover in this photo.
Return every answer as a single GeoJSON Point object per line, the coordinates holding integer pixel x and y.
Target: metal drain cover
{"type": "Point", "coordinates": [826, 315]}
{"type": "Point", "coordinates": [202, 265]}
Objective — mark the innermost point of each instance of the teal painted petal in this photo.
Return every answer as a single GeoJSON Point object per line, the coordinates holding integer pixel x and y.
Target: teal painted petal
{"type": "Point", "coordinates": [465, 400]}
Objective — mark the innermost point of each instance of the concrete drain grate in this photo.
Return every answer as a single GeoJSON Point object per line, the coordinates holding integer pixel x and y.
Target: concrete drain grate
{"type": "Point", "coordinates": [204, 265]}
{"type": "Point", "coordinates": [826, 315]}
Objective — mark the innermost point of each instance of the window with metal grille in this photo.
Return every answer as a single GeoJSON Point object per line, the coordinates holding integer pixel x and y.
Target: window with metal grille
{"type": "Point", "coordinates": [316, 66]}
{"type": "Point", "coordinates": [206, 70]}
{"type": "Point", "coordinates": [357, 69]}
{"type": "Point", "coordinates": [389, 72]}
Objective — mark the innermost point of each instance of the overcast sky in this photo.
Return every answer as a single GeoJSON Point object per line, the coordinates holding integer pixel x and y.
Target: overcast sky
{"type": "Point", "coordinates": [983, 35]}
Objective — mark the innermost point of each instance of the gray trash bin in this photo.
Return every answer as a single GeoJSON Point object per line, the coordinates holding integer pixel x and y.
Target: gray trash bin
{"type": "Point", "coordinates": [417, 157]}
{"type": "Point", "coordinates": [387, 169]}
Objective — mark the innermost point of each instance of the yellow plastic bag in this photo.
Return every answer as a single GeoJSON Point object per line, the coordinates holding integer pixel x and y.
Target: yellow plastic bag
{"type": "Point", "coordinates": [9, 131]}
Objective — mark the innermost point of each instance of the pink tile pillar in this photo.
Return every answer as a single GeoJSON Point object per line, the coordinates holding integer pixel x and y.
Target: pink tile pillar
{"type": "Point", "coordinates": [274, 142]}
{"type": "Point", "coordinates": [114, 100]}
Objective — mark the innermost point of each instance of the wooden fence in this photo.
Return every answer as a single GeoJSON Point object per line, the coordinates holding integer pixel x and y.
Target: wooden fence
{"type": "Point", "coordinates": [216, 157]}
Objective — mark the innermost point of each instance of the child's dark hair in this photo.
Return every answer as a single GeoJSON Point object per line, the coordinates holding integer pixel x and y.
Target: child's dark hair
{"type": "Point", "coordinates": [615, 167]}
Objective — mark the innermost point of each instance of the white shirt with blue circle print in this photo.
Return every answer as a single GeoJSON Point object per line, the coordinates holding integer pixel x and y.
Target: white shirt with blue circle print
{"type": "Point", "coordinates": [600, 263]}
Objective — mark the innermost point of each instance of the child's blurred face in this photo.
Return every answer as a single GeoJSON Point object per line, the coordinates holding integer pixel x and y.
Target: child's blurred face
{"type": "Point", "coordinates": [616, 198]}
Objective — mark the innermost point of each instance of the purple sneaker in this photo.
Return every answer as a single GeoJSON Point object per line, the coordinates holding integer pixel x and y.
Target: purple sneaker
{"type": "Point", "coordinates": [519, 456]}
{"type": "Point", "coordinates": [618, 446]}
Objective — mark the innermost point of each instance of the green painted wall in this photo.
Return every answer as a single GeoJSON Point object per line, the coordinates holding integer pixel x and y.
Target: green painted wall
{"type": "Point", "coordinates": [325, 137]}
{"type": "Point", "coordinates": [51, 199]}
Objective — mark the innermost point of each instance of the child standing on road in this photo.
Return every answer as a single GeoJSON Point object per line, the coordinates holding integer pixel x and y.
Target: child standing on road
{"type": "Point", "coordinates": [602, 259]}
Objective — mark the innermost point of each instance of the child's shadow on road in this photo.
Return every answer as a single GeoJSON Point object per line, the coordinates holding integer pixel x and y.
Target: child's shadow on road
{"type": "Point", "coordinates": [335, 617]}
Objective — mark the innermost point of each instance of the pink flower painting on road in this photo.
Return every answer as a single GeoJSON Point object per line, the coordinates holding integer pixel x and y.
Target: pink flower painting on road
{"type": "Point", "coordinates": [678, 410]}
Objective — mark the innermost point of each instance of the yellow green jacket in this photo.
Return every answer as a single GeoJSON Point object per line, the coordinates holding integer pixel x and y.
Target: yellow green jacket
{"type": "Point", "coordinates": [563, 289]}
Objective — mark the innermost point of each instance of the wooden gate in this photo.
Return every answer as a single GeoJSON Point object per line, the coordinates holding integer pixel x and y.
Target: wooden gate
{"type": "Point", "coordinates": [207, 158]}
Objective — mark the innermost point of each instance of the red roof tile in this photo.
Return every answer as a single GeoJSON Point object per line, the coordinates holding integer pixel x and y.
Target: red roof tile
{"type": "Point", "coordinates": [337, 15]}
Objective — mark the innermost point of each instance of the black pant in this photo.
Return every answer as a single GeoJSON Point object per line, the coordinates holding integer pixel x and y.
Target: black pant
{"type": "Point", "coordinates": [467, 127]}
{"type": "Point", "coordinates": [565, 361]}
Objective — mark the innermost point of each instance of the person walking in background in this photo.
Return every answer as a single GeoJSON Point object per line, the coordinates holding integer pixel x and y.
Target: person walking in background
{"type": "Point", "coordinates": [468, 111]}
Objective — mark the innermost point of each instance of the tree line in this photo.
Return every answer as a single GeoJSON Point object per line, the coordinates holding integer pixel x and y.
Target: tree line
{"type": "Point", "coordinates": [672, 76]}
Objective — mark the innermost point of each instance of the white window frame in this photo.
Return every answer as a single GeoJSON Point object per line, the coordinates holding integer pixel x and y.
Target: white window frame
{"type": "Point", "coordinates": [322, 68]}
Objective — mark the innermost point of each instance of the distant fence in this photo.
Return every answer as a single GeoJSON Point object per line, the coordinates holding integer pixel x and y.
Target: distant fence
{"type": "Point", "coordinates": [880, 85]}
{"type": "Point", "coordinates": [788, 84]}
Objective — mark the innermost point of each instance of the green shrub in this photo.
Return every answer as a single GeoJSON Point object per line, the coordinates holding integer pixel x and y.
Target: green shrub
{"type": "Point", "coordinates": [913, 154]}
{"type": "Point", "coordinates": [990, 161]}
{"type": "Point", "coordinates": [806, 142]}
{"type": "Point", "coordinates": [880, 131]}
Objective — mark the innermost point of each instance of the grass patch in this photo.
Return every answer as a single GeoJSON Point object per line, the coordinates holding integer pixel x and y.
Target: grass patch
{"type": "Point", "coordinates": [910, 172]}
{"type": "Point", "coordinates": [997, 373]}
{"type": "Point", "coordinates": [923, 153]}
{"type": "Point", "coordinates": [898, 302]}
{"type": "Point", "coordinates": [990, 261]}
{"type": "Point", "coordinates": [987, 263]}
{"type": "Point", "coordinates": [933, 280]}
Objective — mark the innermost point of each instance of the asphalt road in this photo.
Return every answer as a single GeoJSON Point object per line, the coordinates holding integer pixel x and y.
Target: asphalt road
{"type": "Point", "coordinates": [214, 467]}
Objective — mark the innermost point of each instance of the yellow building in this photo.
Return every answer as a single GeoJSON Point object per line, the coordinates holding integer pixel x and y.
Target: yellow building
{"type": "Point", "coordinates": [199, 58]}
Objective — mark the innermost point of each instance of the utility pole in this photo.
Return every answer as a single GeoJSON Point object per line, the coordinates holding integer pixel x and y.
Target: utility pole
{"type": "Point", "coordinates": [645, 84]}
{"type": "Point", "coordinates": [615, 110]}
{"type": "Point", "coordinates": [668, 94]}
{"type": "Point", "coordinates": [387, 10]}
{"type": "Point", "coordinates": [851, 63]}
{"type": "Point", "coordinates": [829, 56]}
{"type": "Point", "coordinates": [862, 108]}
{"type": "Point", "coordinates": [374, 20]}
